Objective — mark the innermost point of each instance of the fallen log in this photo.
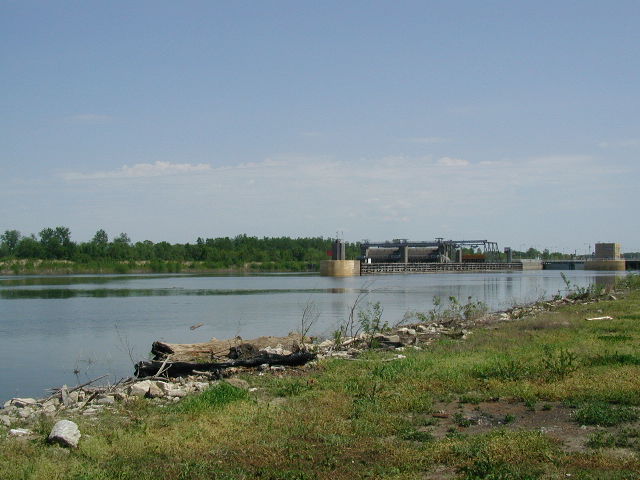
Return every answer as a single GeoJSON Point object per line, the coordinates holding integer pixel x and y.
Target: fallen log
{"type": "Point", "coordinates": [177, 369]}
{"type": "Point", "coordinates": [208, 351]}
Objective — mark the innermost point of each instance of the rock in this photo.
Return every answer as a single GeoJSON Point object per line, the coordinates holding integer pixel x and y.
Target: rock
{"type": "Point", "coordinates": [90, 411]}
{"type": "Point", "coordinates": [406, 331]}
{"type": "Point", "coordinates": [264, 366]}
{"type": "Point", "coordinates": [140, 389]}
{"type": "Point", "coordinates": [326, 344]}
{"type": "Point", "coordinates": [155, 391]}
{"type": "Point", "coordinates": [278, 368]}
{"type": "Point", "coordinates": [23, 402]}
{"type": "Point", "coordinates": [105, 400]}
{"type": "Point", "coordinates": [5, 420]}
{"type": "Point", "coordinates": [19, 432]}
{"type": "Point", "coordinates": [49, 410]}
{"type": "Point", "coordinates": [64, 395]}
{"type": "Point", "coordinates": [238, 382]}
{"type": "Point", "coordinates": [65, 433]}
{"type": "Point", "coordinates": [25, 412]}
{"type": "Point", "coordinates": [200, 386]}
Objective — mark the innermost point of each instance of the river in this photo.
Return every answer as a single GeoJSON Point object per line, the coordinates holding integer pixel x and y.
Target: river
{"type": "Point", "coordinates": [58, 330]}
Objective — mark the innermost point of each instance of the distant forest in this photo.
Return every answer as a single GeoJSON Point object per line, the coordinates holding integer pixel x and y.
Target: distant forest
{"type": "Point", "coordinates": [102, 254]}
{"type": "Point", "coordinates": [278, 253]}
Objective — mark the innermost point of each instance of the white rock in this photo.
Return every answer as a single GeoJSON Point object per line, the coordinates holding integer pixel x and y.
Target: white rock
{"type": "Point", "coordinates": [106, 400]}
{"type": "Point", "coordinates": [25, 412]}
{"type": "Point", "coordinates": [19, 432]}
{"type": "Point", "coordinates": [200, 386]}
{"type": "Point", "coordinates": [66, 433]}
{"type": "Point", "coordinates": [155, 391]}
{"type": "Point", "coordinates": [326, 344]}
{"type": "Point", "coordinates": [140, 389]}
{"type": "Point", "coordinates": [23, 402]}
{"type": "Point", "coordinates": [5, 420]}
{"type": "Point", "coordinates": [48, 410]}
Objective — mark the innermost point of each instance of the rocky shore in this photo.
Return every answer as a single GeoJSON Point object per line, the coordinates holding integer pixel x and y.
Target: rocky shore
{"type": "Point", "coordinates": [18, 415]}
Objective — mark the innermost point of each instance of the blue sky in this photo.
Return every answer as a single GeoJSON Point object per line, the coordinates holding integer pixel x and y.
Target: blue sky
{"type": "Point", "coordinates": [512, 121]}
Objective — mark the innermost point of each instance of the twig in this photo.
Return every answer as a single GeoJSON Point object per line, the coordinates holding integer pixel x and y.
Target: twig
{"type": "Point", "coordinates": [58, 390]}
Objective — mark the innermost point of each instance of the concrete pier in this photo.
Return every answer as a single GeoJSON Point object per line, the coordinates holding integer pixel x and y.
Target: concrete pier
{"type": "Point", "coordinates": [340, 268]}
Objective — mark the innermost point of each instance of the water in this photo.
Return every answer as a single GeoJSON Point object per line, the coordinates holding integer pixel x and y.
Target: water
{"type": "Point", "coordinates": [68, 329]}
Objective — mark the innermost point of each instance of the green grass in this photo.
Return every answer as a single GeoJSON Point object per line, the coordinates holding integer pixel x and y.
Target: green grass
{"type": "Point", "coordinates": [372, 417]}
{"type": "Point", "coordinates": [605, 415]}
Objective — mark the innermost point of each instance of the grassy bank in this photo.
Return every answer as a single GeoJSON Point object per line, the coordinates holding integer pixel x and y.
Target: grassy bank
{"type": "Point", "coordinates": [550, 396]}
{"type": "Point", "coordinates": [67, 267]}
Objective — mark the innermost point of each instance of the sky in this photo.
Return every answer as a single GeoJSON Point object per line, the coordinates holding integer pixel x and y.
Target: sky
{"type": "Point", "coordinates": [515, 122]}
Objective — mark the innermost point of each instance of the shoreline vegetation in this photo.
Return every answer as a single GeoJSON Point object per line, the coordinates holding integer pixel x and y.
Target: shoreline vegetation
{"type": "Point", "coordinates": [543, 391]}
{"type": "Point", "coordinates": [52, 251]}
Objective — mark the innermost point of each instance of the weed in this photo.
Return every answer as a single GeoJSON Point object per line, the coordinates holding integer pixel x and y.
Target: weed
{"type": "Point", "coordinates": [613, 359]}
{"type": "Point", "coordinates": [212, 398]}
{"type": "Point", "coordinates": [604, 439]}
{"type": "Point", "coordinates": [471, 397]}
{"type": "Point", "coordinates": [462, 421]}
{"type": "Point", "coordinates": [501, 368]}
{"type": "Point", "coordinates": [417, 436]}
{"type": "Point", "coordinates": [371, 322]}
{"type": "Point", "coordinates": [290, 387]}
{"type": "Point", "coordinates": [560, 363]}
{"type": "Point", "coordinates": [605, 415]}
{"type": "Point", "coordinates": [508, 418]}
{"type": "Point", "coordinates": [546, 407]}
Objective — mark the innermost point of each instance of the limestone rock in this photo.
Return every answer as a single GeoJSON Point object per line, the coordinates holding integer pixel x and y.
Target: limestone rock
{"type": "Point", "coordinates": [155, 391]}
{"type": "Point", "coordinates": [5, 420]}
{"type": "Point", "coordinates": [140, 389]}
{"type": "Point", "coordinates": [23, 402]}
{"type": "Point", "coordinates": [65, 433]}
{"type": "Point", "coordinates": [19, 432]}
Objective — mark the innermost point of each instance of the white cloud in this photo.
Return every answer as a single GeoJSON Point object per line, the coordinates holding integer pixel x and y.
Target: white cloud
{"type": "Point", "coordinates": [452, 162]}
{"type": "Point", "coordinates": [139, 170]}
{"type": "Point", "coordinates": [427, 140]}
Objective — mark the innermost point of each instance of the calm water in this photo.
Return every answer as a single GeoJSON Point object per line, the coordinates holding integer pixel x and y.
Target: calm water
{"type": "Point", "coordinates": [53, 326]}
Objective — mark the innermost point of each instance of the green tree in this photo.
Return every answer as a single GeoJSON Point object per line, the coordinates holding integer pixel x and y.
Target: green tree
{"type": "Point", "coordinates": [9, 240]}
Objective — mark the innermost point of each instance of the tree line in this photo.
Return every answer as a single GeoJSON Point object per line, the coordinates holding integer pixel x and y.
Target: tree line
{"type": "Point", "coordinates": [55, 243]}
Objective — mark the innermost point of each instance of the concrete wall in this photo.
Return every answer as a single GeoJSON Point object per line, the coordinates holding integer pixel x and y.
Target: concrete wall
{"type": "Point", "coordinates": [340, 268]}
{"type": "Point", "coordinates": [530, 264]}
{"type": "Point", "coordinates": [604, 265]}
{"type": "Point", "coordinates": [608, 251]}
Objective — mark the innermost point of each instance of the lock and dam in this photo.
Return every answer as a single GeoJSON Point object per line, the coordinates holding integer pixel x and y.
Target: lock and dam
{"type": "Point", "coordinates": [401, 256]}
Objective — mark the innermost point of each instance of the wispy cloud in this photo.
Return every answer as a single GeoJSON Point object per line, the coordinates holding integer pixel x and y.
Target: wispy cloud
{"type": "Point", "coordinates": [426, 140]}
{"type": "Point", "coordinates": [89, 118]}
{"type": "Point", "coordinates": [140, 170]}
{"type": "Point", "coordinates": [452, 162]}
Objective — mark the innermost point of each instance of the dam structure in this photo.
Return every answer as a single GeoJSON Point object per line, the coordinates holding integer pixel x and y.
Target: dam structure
{"type": "Point", "coordinates": [404, 256]}
{"type": "Point", "coordinates": [440, 255]}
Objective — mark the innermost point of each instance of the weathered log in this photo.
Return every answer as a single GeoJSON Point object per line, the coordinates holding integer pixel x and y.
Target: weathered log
{"type": "Point", "coordinates": [208, 351]}
{"type": "Point", "coordinates": [176, 369]}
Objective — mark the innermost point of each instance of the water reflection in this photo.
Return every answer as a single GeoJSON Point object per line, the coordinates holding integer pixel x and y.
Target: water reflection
{"type": "Point", "coordinates": [82, 322]}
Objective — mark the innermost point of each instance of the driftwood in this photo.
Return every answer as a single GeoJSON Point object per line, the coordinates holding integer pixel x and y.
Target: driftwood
{"type": "Point", "coordinates": [177, 369]}
{"type": "Point", "coordinates": [209, 351]}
